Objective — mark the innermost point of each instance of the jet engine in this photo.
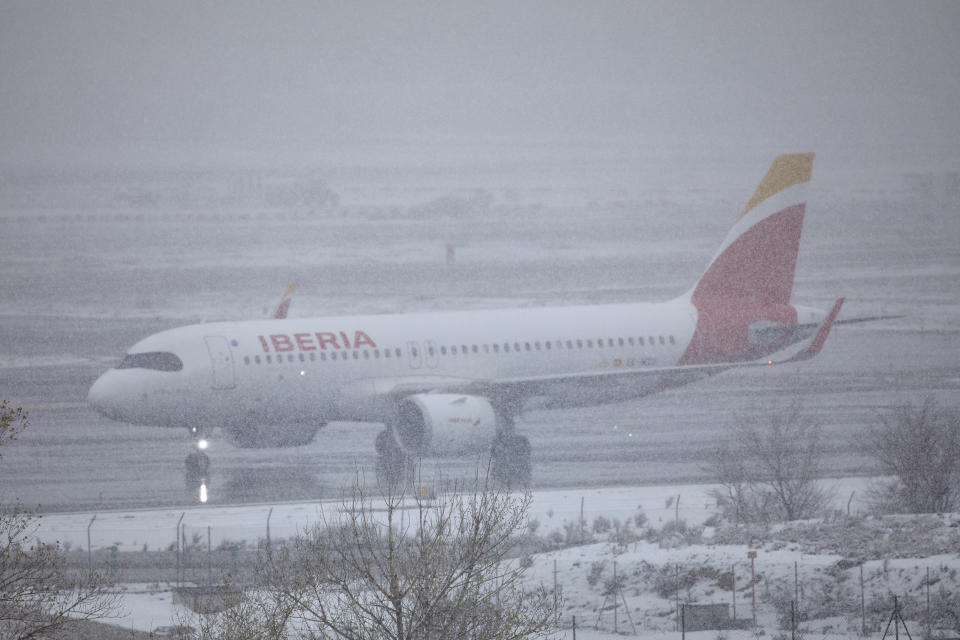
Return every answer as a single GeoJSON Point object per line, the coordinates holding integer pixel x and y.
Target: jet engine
{"type": "Point", "coordinates": [444, 424]}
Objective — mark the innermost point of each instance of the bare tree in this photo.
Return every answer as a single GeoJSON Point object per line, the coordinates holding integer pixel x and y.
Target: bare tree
{"type": "Point", "coordinates": [920, 448]}
{"type": "Point", "coordinates": [262, 614]}
{"type": "Point", "coordinates": [768, 468]}
{"type": "Point", "coordinates": [12, 423]}
{"type": "Point", "coordinates": [38, 593]}
{"type": "Point", "coordinates": [737, 491]}
{"type": "Point", "coordinates": [405, 567]}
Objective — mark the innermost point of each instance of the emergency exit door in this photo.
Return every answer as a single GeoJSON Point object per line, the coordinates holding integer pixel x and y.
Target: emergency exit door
{"type": "Point", "coordinates": [221, 359]}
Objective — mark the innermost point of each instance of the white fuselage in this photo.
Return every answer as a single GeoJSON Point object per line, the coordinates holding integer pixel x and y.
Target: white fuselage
{"type": "Point", "coordinates": [315, 370]}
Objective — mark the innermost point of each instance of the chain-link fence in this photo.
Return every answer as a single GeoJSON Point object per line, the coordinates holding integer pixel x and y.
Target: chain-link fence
{"type": "Point", "coordinates": [766, 594]}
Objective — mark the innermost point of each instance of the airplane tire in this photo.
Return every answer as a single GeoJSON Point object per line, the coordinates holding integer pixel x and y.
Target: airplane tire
{"type": "Point", "coordinates": [197, 466]}
{"type": "Point", "coordinates": [393, 466]}
{"type": "Point", "coordinates": [511, 467]}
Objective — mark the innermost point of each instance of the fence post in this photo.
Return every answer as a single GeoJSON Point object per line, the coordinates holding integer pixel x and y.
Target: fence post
{"type": "Point", "coordinates": [753, 586]}
{"type": "Point", "coordinates": [581, 519]}
{"type": "Point", "coordinates": [793, 621]}
{"type": "Point", "coordinates": [178, 546]}
{"type": "Point", "coordinates": [896, 620]}
{"type": "Point", "coordinates": [863, 606]}
{"type": "Point", "coordinates": [676, 587]}
{"type": "Point", "coordinates": [796, 584]}
{"type": "Point", "coordinates": [616, 588]}
{"type": "Point", "coordinates": [556, 603]}
{"type": "Point", "coordinates": [89, 550]}
{"type": "Point", "coordinates": [733, 589]}
{"type": "Point", "coordinates": [269, 513]}
{"type": "Point", "coordinates": [209, 559]}
{"type": "Point", "coordinates": [183, 545]}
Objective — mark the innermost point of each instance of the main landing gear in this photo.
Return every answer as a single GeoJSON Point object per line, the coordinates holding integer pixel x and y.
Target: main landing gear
{"type": "Point", "coordinates": [395, 469]}
{"type": "Point", "coordinates": [510, 465]}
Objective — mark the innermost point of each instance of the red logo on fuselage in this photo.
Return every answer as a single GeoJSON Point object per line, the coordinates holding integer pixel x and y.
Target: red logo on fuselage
{"type": "Point", "coordinates": [321, 340]}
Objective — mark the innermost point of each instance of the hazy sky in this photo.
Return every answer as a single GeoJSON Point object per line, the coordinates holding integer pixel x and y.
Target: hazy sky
{"type": "Point", "coordinates": [138, 80]}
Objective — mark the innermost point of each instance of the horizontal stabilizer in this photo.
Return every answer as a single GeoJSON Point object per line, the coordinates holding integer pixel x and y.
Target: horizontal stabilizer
{"type": "Point", "coordinates": [870, 319]}
{"type": "Point", "coordinates": [821, 336]}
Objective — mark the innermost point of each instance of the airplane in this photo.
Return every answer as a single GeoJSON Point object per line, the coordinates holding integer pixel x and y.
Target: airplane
{"type": "Point", "coordinates": [452, 383]}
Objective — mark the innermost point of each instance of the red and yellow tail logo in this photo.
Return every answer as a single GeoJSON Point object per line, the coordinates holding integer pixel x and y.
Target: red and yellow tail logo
{"type": "Point", "coordinates": [750, 279]}
{"type": "Point", "coordinates": [786, 171]}
{"type": "Point", "coordinates": [284, 305]}
{"type": "Point", "coordinates": [756, 261]}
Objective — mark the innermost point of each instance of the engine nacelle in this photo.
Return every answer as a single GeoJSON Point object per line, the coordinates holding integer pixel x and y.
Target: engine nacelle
{"type": "Point", "coordinates": [444, 424]}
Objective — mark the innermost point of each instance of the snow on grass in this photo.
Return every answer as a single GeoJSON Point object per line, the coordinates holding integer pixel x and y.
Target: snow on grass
{"type": "Point", "coordinates": [664, 553]}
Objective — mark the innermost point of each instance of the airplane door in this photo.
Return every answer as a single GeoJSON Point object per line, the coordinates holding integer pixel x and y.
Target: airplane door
{"type": "Point", "coordinates": [413, 351]}
{"type": "Point", "coordinates": [431, 357]}
{"type": "Point", "coordinates": [222, 360]}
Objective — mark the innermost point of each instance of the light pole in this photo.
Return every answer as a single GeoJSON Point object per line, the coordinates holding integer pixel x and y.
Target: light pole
{"type": "Point", "coordinates": [89, 551]}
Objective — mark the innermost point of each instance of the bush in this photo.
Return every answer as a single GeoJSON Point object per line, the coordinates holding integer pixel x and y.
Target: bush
{"type": "Point", "coordinates": [920, 448]}
{"type": "Point", "coordinates": [768, 468]}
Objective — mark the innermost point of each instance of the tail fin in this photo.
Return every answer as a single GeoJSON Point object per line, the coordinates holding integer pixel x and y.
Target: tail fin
{"type": "Point", "coordinates": [284, 305]}
{"type": "Point", "coordinates": [746, 289]}
{"type": "Point", "coordinates": [756, 262]}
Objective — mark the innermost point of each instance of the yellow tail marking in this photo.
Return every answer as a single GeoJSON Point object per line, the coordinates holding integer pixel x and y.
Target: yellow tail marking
{"type": "Point", "coordinates": [787, 170]}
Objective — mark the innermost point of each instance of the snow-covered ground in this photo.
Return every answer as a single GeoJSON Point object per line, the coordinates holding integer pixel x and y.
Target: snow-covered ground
{"type": "Point", "coordinates": [657, 539]}
{"type": "Point", "coordinates": [155, 529]}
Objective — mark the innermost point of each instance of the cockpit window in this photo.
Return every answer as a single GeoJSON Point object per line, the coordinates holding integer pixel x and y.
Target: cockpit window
{"type": "Point", "coordinates": [156, 360]}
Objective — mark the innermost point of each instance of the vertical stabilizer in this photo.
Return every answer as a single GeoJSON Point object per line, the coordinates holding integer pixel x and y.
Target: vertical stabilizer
{"type": "Point", "coordinates": [756, 261]}
{"type": "Point", "coordinates": [745, 292]}
{"type": "Point", "coordinates": [284, 305]}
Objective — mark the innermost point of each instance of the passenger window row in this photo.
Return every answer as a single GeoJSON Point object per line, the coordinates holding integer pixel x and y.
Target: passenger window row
{"type": "Point", "coordinates": [323, 356]}
{"type": "Point", "coordinates": [506, 347]}
{"type": "Point", "coordinates": [547, 345]}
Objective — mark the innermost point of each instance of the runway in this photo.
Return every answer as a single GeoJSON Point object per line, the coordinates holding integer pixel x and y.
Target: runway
{"type": "Point", "coordinates": [78, 291]}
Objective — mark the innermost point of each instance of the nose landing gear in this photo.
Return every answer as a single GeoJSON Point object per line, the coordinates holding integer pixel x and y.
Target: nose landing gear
{"type": "Point", "coordinates": [197, 468]}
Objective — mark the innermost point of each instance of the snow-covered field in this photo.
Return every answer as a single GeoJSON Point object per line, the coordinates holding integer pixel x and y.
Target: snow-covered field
{"type": "Point", "coordinates": [658, 541]}
{"type": "Point", "coordinates": [156, 528]}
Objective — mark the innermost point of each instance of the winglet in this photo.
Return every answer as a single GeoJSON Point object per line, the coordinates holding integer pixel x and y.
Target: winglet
{"type": "Point", "coordinates": [284, 305]}
{"type": "Point", "coordinates": [817, 343]}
